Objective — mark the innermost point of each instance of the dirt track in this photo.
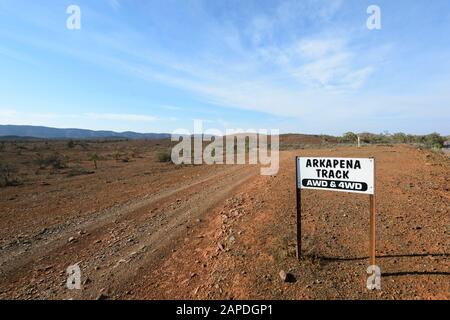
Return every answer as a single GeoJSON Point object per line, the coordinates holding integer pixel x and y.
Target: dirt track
{"type": "Point", "coordinates": [210, 232]}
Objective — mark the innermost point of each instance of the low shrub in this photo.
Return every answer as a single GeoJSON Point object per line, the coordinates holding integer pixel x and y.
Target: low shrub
{"type": "Point", "coordinates": [7, 176]}
{"type": "Point", "coordinates": [164, 156]}
{"type": "Point", "coordinates": [55, 160]}
{"type": "Point", "coordinates": [71, 144]}
{"type": "Point", "coordinates": [78, 172]}
{"type": "Point", "coordinates": [433, 140]}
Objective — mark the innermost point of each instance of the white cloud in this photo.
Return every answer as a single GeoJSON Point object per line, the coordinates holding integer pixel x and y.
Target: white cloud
{"type": "Point", "coordinates": [322, 62]}
{"type": "Point", "coordinates": [12, 116]}
{"type": "Point", "coordinates": [324, 71]}
{"type": "Point", "coordinates": [173, 108]}
{"type": "Point", "coordinates": [315, 76]}
{"type": "Point", "coordinates": [300, 69]}
{"type": "Point", "coordinates": [318, 47]}
{"type": "Point", "coordinates": [115, 4]}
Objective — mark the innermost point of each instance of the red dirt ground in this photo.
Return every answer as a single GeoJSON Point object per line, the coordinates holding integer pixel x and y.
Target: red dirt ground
{"type": "Point", "coordinates": [148, 230]}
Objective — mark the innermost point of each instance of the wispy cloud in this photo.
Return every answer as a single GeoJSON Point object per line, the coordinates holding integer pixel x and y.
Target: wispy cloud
{"type": "Point", "coordinates": [290, 58]}
{"type": "Point", "coordinates": [173, 108]}
{"type": "Point", "coordinates": [115, 4]}
{"type": "Point", "coordinates": [255, 70]}
{"type": "Point", "coordinates": [8, 116]}
{"type": "Point", "coordinates": [329, 65]}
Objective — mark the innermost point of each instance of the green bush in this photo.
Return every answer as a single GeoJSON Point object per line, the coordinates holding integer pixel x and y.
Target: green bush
{"type": "Point", "coordinates": [434, 140]}
{"type": "Point", "coordinates": [165, 156]}
{"type": "Point", "coordinates": [55, 160]}
{"type": "Point", "coordinates": [375, 138]}
{"type": "Point", "coordinates": [349, 137]}
{"type": "Point", "coordinates": [399, 137]}
{"type": "Point", "coordinates": [7, 176]}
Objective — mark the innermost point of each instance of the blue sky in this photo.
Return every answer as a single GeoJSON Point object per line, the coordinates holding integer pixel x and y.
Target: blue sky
{"type": "Point", "coordinates": [297, 66]}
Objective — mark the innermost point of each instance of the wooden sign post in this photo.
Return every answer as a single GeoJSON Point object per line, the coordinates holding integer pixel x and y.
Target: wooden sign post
{"type": "Point", "coordinates": [298, 198]}
{"type": "Point", "coordinates": [355, 175]}
{"type": "Point", "coordinates": [373, 250]}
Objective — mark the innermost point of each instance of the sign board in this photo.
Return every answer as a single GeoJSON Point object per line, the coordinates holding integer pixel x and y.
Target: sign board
{"type": "Point", "coordinates": [356, 175]}
{"type": "Point", "coordinates": [336, 174]}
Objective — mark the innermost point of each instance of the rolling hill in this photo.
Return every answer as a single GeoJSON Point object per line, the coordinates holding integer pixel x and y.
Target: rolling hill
{"type": "Point", "coordinates": [57, 133]}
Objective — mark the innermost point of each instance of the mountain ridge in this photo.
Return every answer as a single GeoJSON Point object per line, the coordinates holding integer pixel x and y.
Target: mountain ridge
{"type": "Point", "coordinates": [42, 132]}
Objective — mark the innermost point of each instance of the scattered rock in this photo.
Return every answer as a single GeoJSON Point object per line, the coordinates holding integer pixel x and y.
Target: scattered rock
{"type": "Point", "coordinates": [72, 239]}
{"type": "Point", "coordinates": [102, 296]}
{"type": "Point", "coordinates": [48, 267]}
{"type": "Point", "coordinates": [286, 277]}
{"type": "Point", "coordinates": [120, 262]}
{"type": "Point", "coordinates": [220, 246]}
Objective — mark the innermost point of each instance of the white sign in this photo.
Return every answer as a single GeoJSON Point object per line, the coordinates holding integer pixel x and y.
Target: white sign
{"type": "Point", "coordinates": [336, 174]}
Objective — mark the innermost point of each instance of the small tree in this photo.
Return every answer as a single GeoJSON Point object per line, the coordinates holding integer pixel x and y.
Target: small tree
{"type": "Point", "coordinates": [70, 144]}
{"type": "Point", "coordinates": [349, 137]}
{"type": "Point", "coordinates": [94, 158]}
{"type": "Point", "coordinates": [434, 140]}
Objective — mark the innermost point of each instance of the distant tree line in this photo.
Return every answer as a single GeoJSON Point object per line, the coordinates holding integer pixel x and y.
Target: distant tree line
{"type": "Point", "coordinates": [433, 140]}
